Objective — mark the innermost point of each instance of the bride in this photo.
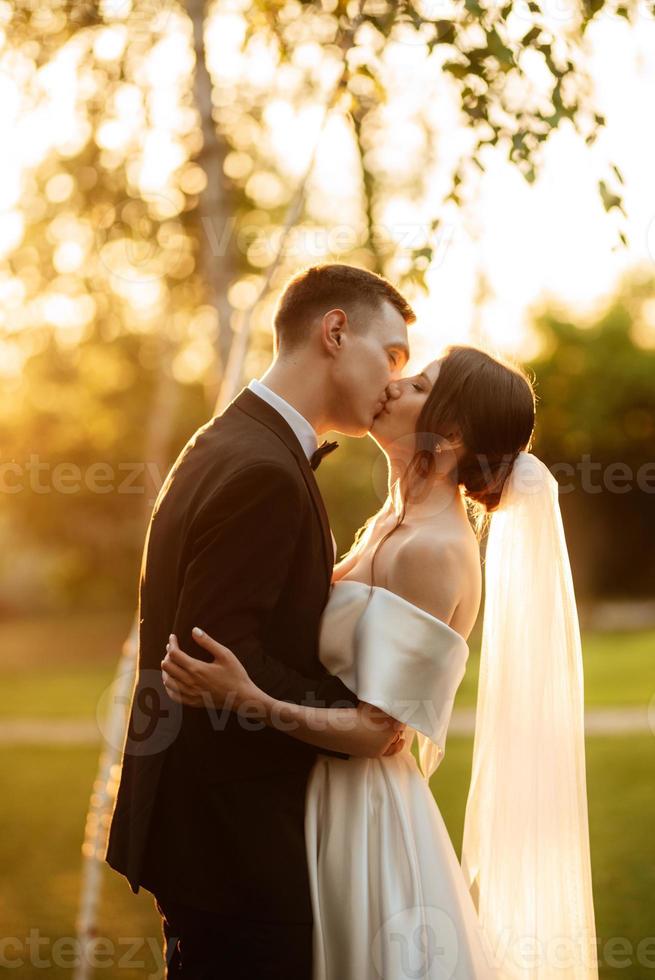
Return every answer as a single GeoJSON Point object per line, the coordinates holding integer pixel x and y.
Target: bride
{"type": "Point", "coordinates": [390, 899]}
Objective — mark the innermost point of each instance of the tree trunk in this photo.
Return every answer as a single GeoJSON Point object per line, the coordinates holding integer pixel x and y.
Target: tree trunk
{"type": "Point", "coordinates": [215, 210]}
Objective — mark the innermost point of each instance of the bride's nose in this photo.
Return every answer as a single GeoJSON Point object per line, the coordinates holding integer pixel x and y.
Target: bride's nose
{"type": "Point", "coordinates": [393, 390]}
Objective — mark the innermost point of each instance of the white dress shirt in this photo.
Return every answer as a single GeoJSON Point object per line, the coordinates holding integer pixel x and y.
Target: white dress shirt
{"type": "Point", "coordinates": [304, 432]}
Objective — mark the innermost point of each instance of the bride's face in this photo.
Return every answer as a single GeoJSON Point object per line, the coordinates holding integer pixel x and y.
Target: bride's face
{"type": "Point", "coordinates": [397, 422]}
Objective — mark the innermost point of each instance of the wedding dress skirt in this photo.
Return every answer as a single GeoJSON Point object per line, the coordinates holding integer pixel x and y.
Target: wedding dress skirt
{"type": "Point", "coordinates": [389, 897]}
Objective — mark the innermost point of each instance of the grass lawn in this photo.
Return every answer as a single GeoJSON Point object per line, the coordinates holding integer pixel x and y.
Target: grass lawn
{"type": "Point", "coordinates": [59, 668]}
{"type": "Point", "coordinates": [621, 799]}
{"type": "Point", "coordinates": [619, 669]}
{"type": "Point", "coordinates": [42, 826]}
{"type": "Point", "coordinates": [43, 819]}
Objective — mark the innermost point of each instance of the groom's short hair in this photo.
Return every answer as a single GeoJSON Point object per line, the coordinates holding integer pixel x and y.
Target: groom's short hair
{"type": "Point", "coordinates": [319, 288]}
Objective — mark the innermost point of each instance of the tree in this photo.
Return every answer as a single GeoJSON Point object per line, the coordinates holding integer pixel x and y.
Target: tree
{"type": "Point", "coordinates": [152, 223]}
{"type": "Point", "coordinates": [595, 428]}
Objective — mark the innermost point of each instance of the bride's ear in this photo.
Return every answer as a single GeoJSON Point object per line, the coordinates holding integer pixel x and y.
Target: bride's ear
{"type": "Point", "coordinates": [453, 439]}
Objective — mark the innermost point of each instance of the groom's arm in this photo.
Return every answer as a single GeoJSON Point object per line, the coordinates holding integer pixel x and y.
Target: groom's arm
{"type": "Point", "coordinates": [244, 543]}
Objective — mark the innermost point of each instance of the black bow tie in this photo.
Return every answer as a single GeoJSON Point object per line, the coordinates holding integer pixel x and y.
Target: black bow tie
{"type": "Point", "coordinates": [323, 450]}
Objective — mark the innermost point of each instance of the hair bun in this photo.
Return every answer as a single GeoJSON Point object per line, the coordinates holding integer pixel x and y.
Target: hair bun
{"type": "Point", "coordinates": [483, 477]}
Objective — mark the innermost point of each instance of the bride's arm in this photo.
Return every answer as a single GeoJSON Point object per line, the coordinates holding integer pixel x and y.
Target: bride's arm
{"type": "Point", "coordinates": [343, 567]}
{"type": "Point", "coordinates": [224, 683]}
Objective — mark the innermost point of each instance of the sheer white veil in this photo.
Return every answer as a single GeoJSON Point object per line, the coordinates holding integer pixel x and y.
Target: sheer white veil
{"type": "Point", "coordinates": [525, 852]}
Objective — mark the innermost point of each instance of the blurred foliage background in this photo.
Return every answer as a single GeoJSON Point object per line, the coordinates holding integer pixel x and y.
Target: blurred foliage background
{"type": "Point", "coordinates": [170, 166]}
{"type": "Point", "coordinates": [165, 167]}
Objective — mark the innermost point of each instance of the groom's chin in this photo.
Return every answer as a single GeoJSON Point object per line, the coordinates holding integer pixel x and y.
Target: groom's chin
{"type": "Point", "coordinates": [360, 433]}
{"type": "Point", "coordinates": [359, 430]}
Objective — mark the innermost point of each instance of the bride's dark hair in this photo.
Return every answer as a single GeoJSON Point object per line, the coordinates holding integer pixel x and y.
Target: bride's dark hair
{"type": "Point", "coordinates": [492, 403]}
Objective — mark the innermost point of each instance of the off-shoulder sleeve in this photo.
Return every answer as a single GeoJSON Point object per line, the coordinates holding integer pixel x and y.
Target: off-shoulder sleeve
{"type": "Point", "coordinates": [395, 655]}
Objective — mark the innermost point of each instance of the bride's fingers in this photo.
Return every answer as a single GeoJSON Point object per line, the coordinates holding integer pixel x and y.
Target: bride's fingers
{"type": "Point", "coordinates": [190, 702]}
{"type": "Point", "coordinates": [178, 656]}
{"type": "Point", "coordinates": [394, 747]}
{"type": "Point", "coordinates": [185, 695]}
{"type": "Point", "coordinates": [174, 670]}
{"type": "Point", "coordinates": [216, 649]}
{"type": "Point", "coordinates": [177, 687]}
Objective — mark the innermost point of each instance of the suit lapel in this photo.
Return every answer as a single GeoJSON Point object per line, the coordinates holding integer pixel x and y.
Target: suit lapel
{"type": "Point", "coordinates": [247, 401]}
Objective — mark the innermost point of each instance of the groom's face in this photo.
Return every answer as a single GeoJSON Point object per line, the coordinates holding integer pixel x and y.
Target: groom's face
{"type": "Point", "coordinates": [373, 355]}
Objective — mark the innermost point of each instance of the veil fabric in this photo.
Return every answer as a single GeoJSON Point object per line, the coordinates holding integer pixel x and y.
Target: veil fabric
{"type": "Point", "coordinates": [525, 851]}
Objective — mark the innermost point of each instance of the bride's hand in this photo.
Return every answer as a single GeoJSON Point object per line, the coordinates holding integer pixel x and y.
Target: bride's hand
{"type": "Point", "coordinates": [380, 733]}
{"type": "Point", "coordinates": [224, 683]}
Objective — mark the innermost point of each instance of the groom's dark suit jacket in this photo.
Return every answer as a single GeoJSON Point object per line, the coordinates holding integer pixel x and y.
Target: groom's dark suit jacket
{"type": "Point", "coordinates": [210, 807]}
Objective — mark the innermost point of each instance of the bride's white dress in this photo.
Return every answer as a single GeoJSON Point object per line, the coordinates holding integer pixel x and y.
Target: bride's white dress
{"type": "Point", "coordinates": [388, 894]}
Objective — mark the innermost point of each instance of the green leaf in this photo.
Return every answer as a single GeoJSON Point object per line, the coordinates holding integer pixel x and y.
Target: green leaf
{"type": "Point", "coordinates": [619, 175]}
{"type": "Point", "coordinates": [531, 36]}
{"type": "Point", "coordinates": [445, 32]}
{"type": "Point", "coordinates": [609, 199]}
{"type": "Point", "coordinates": [456, 69]}
{"type": "Point", "coordinates": [499, 49]}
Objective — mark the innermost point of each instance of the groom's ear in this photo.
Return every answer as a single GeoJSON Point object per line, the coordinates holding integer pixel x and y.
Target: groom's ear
{"type": "Point", "coordinates": [333, 324]}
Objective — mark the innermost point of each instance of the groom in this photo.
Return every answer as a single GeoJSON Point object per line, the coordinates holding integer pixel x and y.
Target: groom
{"type": "Point", "coordinates": [209, 815]}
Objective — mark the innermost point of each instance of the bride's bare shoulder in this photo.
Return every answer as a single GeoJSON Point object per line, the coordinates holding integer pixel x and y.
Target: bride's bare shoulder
{"type": "Point", "coordinates": [453, 547]}
{"type": "Point", "coordinates": [436, 571]}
